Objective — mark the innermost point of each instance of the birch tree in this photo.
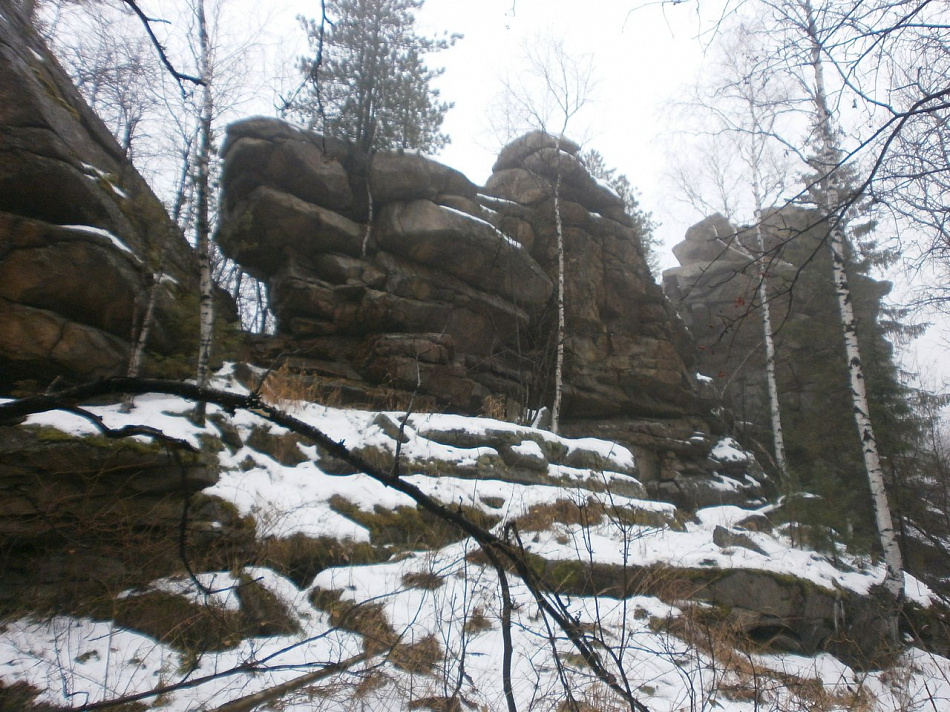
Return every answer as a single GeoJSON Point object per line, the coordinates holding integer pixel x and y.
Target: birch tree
{"type": "Point", "coordinates": [805, 38]}
{"type": "Point", "coordinates": [202, 195]}
{"type": "Point", "coordinates": [800, 41]}
{"type": "Point", "coordinates": [747, 110]}
{"type": "Point", "coordinates": [828, 162]}
{"type": "Point", "coordinates": [555, 86]}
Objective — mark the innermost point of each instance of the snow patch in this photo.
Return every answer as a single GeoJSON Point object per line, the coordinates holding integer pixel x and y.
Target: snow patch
{"type": "Point", "coordinates": [90, 230]}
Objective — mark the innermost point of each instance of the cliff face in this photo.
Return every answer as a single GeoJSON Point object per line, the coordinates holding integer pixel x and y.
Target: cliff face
{"type": "Point", "coordinates": [715, 286]}
{"type": "Point", "coordinates": [471, 272]}
{"type": "Point", "coordinates": [80, 231]}
{"type": "Point", "coordinates": [392, 274]}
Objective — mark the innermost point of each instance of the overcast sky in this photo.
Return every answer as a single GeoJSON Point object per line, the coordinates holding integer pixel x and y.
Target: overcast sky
{"type": "Point", "coordinates": [641, 60]}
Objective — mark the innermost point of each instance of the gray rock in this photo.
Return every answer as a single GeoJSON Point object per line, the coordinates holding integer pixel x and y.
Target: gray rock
{"type": "Point", "coordinates": [726, 538]}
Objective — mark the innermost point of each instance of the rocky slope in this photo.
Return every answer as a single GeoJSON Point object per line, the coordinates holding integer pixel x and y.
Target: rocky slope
{"type": "Point", "coordinates": [147, 562]}
{"type": "Point", "coordinates": [295, 582]}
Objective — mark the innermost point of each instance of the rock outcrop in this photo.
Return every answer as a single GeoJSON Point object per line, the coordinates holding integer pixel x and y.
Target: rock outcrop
{"type": "Point", "coordinates": [715, 286]}
{"type": "Point", "coordinates": [80, 231]}
{"type": "Point", "coordinates": [395, 272]}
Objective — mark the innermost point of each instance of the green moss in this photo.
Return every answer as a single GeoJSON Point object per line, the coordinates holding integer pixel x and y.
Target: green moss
{"type": "Point", "coordinates": [49, 434]}
{"type": "Point", "coordinates": [210, 444]}
{"type": "Point", "coordinates": [53, 92]}
{"type": "Point", "coordinates": [567, 575]}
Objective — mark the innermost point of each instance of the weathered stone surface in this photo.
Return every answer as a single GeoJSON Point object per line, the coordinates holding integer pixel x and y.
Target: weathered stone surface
{"type": "Point", "coordinates": [296, 166]}
{"type": "Point", "coordinates": [478, 268]}
{"type": "Point", "coordinates": [515, 153]}
{"type": "Point", "coordinates": [78, 515]}
{"type": "Point", "coordinates": [465, 247]}
{"type": "Point", "coordinates": [36, 344]}
{"type": "Point", "coordinates": [70, 295]}
{"type": "Point", "coordinates": [519, 185]}
{"type": "Point", "coordinates": [398, 176]}
{"type": "Point", "coordinates": [727, 538]}
{"type": "Point", "coordinates": [79, 274]}
{"type": "Point", "coordinates": [268, 223]}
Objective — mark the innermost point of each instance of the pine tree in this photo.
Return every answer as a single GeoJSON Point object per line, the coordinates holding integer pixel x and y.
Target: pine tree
{"type": "Point", "coordinates": [371, 85]}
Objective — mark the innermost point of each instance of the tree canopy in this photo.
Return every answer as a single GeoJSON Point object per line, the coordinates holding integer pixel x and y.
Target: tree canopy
{"type": "Point", "coordinates": [368, 80]}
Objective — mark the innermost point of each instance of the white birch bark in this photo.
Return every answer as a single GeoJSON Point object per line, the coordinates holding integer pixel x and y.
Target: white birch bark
{"type": "Point", "coordinates": [829, 151]}
{"type": "Point", "coordinates": [203, 179]}
{"type": "Point", "coordinates": [561, 320]}
{"type": "Point", "coordinates": [775, 410]}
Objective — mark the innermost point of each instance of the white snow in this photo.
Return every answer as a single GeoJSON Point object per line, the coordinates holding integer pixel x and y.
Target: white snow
{"type": "Point", "coordinates": [75, 661]}
{"type": "Point", "coordinates": [728, 450]}
{"type": "Point", "coordinates": [217, 589]}
{"type": "Point", "coordinates": [90, 230]}
{"type": "Point", "coordinates": [468, 216]}
{"type": "Point", "coordinates": [528, 448]}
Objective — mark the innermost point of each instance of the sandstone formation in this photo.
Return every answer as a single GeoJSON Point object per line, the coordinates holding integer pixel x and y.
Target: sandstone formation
{"type": "Point", "coordinates": [80, 231]}
{"type": "Point", "coordinates": [715, 287]}
{"type": "Point", "coordinates": [392, 274]}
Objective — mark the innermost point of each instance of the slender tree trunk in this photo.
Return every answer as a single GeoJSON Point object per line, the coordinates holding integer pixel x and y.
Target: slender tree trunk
{"type": "Point", "coordinates": [203, 187]}
{"type": "Point", "coordinates": [561, 321]}
{"type": "Point", "coordinates": [369, 206]}
{"type": "Point", "coordinates": [148, 318]}
{"type": "Point", "coordinates": [775, 410]}
{"type": "Point", "coordinates": [145, 330]}
{"type": "Point", "coordinates": [830, 197]}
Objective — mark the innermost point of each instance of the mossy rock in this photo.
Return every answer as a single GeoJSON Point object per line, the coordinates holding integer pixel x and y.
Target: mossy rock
{"type": "Point", "coordinates": [592, 511]}
{"type": "Point", "coordinates": [409, 527]}
{"type": "Point", "coordinates": [195, 628]}
{"type": "Point", "coordinates": [366, 619]}
{"type": "Point", "coordinates": [262, 610]}
{"type": "Point", "coordinates": [230, 436]}
{"type": "Point", "coordinates": [185, 626]}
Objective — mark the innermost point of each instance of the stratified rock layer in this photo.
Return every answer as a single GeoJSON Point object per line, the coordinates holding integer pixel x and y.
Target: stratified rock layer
{"type": "Point", "coordinates": [80, 231]}
{"type": "Point", "coordinates": [394, 273]}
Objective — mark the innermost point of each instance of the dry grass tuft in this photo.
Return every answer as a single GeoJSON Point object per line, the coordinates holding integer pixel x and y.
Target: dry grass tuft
{"type": "Point", "coordinates": [422, 579]}
{"type": "Point", "coordinates": [287, 388]}
{"type": "Point", "coordinates": [422, 656]}
{"type": "Point", "coordinates": [541, 517]}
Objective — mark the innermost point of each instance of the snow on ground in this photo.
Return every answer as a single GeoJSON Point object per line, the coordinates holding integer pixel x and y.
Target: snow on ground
{"type": "Point", "coordinates": [449, 597]}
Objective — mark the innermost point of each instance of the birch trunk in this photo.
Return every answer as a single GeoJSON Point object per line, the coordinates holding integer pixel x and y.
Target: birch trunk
{"type": "Point", "coordinates": [203, 180]}
{"type": "Point", "coordinates": [775, 411]}
{"type": "Point", "coordinates": [561, 321]}
{"type": "Point", "coordinates": [145, 330]}
{"type": "Point", "coordinates": [830, 199]}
